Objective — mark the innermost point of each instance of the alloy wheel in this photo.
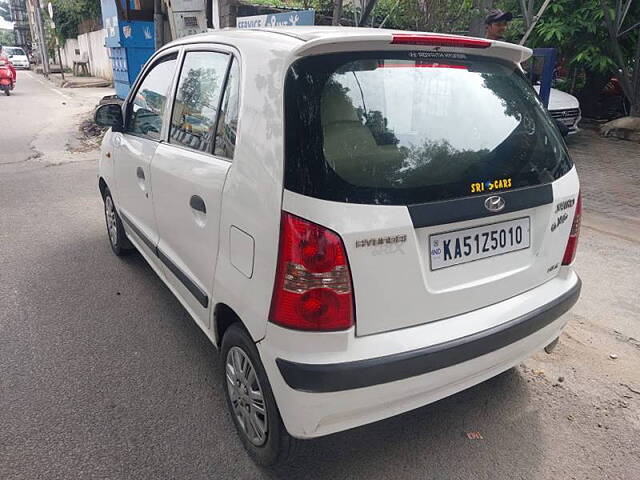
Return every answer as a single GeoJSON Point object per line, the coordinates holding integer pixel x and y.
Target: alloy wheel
{"type": "Point", "coordinates": [112, 226]}
{"type": "Point", "coordinates": [246, 395]}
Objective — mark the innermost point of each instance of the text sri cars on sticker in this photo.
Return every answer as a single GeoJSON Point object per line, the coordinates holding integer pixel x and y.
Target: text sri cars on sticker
{"type": "Point", "coordinates": [499, 184]}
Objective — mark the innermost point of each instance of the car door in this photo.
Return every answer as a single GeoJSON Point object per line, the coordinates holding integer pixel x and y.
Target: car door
{"type": "Point", "coordinates": [135, 147]}
{"type": "Point", "coordinates": [189, 171]}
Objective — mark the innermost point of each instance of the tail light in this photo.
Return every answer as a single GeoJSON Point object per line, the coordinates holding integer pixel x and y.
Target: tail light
{"type": "Point", "coordinates": [439, 40]}
{"type": "Point", "coordinates": [572, 244]}
{"type": "Point", "coordinates": [312, 290]}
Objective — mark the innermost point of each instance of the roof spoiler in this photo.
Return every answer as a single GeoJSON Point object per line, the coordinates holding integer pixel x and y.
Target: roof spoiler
{"type": "Point", "coordinates": [391, 40]}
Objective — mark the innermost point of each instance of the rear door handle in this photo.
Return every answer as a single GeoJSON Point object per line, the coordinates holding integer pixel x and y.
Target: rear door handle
{"type": "Point", "coordinates": [197, 203]}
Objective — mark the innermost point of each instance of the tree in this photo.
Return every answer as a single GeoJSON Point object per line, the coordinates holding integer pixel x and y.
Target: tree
{"type": "Point", "coordinates": [70, 13]}
{"type": "Point", "coordinates": [576, 28]}
{"type": "Point", "coordinates": [366, 11]}
{"type": "Point", "coordinates": [528, 11]}
{"type": "Point", "coordinates": [445, 16]}
{"type": "Point", "coordinates": [337, 12]}
{"type": "Point", "coordinates": [629, 66]}
{"type": "Point", "coordinates": [6, 37]}
{"type": "Point", "coordinates": [480, 10]}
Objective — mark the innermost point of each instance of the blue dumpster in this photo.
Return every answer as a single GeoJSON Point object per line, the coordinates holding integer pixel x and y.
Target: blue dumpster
{"type": "Point", "coordinates": [130, 43]}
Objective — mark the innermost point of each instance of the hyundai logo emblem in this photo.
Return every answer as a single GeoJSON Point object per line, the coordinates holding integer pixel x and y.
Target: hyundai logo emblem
{"type": "Point", "coordinates": [494, 203]}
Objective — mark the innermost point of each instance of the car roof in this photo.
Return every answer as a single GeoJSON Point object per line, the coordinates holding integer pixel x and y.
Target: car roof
{"type": "Point", "coordinates": [309, 40]}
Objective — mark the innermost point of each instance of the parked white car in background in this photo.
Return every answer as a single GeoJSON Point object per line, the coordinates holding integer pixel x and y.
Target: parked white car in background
{"type": "Point", "coordinates": [364, 221]}
{"type": "Point", "coordinates": [565, 108]}
{"type": "Point", "coordinates": [18, 57]}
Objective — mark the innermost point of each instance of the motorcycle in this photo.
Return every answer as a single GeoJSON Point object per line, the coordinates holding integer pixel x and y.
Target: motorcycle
{"type": "Point", "coordinates": [6, 78]}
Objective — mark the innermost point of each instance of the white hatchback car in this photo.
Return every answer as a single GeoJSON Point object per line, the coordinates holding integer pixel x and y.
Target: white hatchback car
{"type": "Point", "coordinates": [364, 221]}
{"type": "Point", "coordinates": [17, 57]}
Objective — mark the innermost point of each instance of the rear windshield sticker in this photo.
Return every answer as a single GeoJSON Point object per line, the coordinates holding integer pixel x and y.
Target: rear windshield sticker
{"type": "Point", "coordinates": [500, 184]}
{"type": "Point", "coordinates": [447, 55]}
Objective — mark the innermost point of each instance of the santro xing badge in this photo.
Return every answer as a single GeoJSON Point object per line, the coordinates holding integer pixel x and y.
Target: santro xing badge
{"type": "Point", "coordinates": [500, 184]}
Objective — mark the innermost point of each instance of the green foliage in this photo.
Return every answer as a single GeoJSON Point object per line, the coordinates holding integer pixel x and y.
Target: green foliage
{"type": "Point", "coordinates": [277, 3]}
{"type": "Point", "coordinates": [6, 37]}
{"type": "Point", "coordinates": [576, 29]}
{"type": "Point", "coordinates": [320, 5]}
{"type": "Point", "coordinates": [68, 14]}
{"type": "Point", "coordinates": [428, 15]}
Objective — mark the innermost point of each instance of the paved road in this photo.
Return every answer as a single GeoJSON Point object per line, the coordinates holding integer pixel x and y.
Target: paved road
{"type": "Point", "coordinates": [104, 375]}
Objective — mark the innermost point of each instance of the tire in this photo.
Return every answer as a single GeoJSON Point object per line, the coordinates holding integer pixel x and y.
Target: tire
{"type": "Point", "coordinates": [118, 240]}
{"type": "Point", "coordinates": [277, 447]}
{"type": "Point", "coordinates": [7, 90]}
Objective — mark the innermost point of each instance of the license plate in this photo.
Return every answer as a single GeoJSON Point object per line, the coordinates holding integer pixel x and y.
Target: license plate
{"type": "Point", "coordinates": [462, 246]}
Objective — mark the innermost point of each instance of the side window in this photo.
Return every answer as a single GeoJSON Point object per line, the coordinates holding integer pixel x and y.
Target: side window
{"type": "Point", "coordinates": [145, 113]}
{"type": "Point", "coordinates": [228, 121]}
{"type": "Point", "coordinates": [193, 120]}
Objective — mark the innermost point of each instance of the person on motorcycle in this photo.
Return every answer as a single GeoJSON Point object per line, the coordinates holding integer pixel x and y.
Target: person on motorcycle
{"type": "Point", "coordinates": [3, 56]}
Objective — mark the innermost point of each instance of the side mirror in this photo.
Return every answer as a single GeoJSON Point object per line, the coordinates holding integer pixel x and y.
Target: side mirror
{"type": "Point", "coordinates": [110, 115]}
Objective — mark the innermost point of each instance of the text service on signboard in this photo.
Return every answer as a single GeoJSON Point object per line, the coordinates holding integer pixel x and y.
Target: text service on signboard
{"type": "Point", "coordinates": [287, 19]}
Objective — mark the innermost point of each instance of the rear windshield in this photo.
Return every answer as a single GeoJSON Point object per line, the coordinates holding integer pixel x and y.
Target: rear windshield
{"type": "Point", "coordinates": [413, 127]}
{"type": "Point", "coordinates": [14, 51]}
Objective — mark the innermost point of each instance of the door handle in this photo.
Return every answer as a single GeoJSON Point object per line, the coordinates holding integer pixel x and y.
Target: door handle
{"type": "Point", "coordinates": [197, 203]}
{"type": "Point", "coordinates": [142, 183]}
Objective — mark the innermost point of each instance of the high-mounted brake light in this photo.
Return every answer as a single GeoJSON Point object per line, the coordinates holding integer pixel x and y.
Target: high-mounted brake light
{"type": "Point", "coordinates": [572, 243]}
{"type": "Point", "coordinates": [439, 40]}
{"type": "Point", "coordinates": [421, 65]}
{"type": "Point", "coordinates": [312, 289]}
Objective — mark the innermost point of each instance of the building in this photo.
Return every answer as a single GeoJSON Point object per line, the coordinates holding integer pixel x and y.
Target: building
{"type": "Point", "coordinates": [21, 28]}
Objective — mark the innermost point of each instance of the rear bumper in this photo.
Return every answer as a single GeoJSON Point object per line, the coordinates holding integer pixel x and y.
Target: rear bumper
{"type": "Point", "coordinates": [320, 397]}
{"type": "Point", "coordinates": [367, 373]}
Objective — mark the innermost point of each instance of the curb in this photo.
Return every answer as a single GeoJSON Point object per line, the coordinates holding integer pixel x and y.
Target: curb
{"type": "Point", "coordinates": [58, 82]}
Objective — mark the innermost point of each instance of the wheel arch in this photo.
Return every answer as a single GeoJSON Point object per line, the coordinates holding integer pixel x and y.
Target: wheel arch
{"type": "Point", "coordinates": [223, 317]}
{"type": "Point", "coordinates": [102, 185]}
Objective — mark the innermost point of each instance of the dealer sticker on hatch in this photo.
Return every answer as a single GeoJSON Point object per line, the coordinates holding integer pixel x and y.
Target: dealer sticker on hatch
{"type": "Point", "coordinates": [462, 246]}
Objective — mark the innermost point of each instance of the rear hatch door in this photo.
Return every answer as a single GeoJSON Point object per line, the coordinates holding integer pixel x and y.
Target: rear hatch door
{"type": "Point", "coordinates": [448, 182]}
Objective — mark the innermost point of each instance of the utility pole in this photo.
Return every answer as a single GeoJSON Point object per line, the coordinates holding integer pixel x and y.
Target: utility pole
{"type": "Point", "coordinates": [42, 42]}
{"type": "Point", "coordinates": [55, 37]}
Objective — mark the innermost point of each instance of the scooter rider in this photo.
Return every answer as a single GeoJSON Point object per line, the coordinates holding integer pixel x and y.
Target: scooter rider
{"type": "Point", "coordinates": [3, 56]}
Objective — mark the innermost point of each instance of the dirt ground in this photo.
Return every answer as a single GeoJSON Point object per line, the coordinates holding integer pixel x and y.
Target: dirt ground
{"type": "Point", "coordinates": [595, 370]}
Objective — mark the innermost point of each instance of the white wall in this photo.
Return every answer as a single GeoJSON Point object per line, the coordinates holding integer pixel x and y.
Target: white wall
{"type": "Point", "coordinates": [68, 52]}
{"type": "Point", "coordinates": [93, 45]}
